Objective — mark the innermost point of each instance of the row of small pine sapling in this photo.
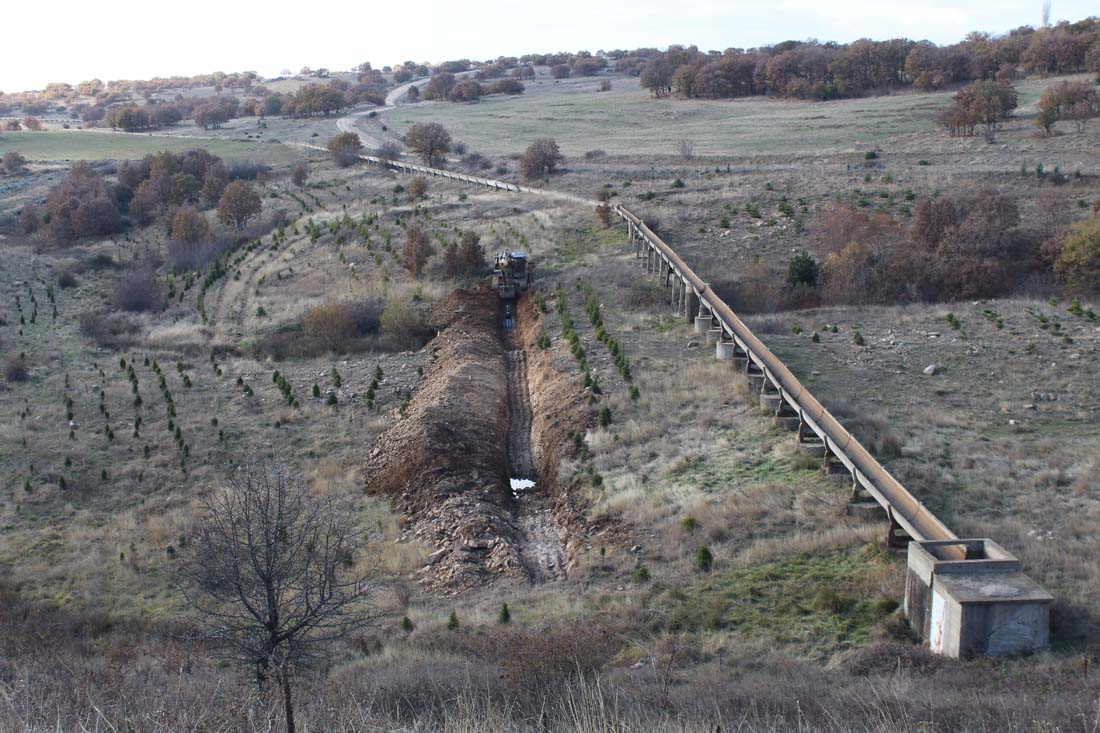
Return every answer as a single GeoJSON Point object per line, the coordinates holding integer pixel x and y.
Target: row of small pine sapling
{"type": "Point", "coordinates": [618, 356]}
{"type": "Point", "coordinates": [576, 436]}
{"type": "Point", "coordinates": [331, 399]}
{"type": "Point", "coordinates": [504, 617]}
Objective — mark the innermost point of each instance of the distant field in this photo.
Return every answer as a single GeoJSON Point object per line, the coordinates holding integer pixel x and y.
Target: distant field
{"type": "Point", "coordinates": [627, 120]}
{"type": "Point", "coordinates": [82, 145]}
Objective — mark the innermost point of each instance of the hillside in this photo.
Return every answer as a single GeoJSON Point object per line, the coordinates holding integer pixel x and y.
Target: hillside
{"type": "Point", "coordinates": [401, 397]}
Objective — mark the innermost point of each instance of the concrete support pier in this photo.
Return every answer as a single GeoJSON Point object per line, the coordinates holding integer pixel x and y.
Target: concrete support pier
{"type": "Point", "coordinates": [714, 336]}
{"type": "Point", "coordinates": [702, 325]}
{"type": "Point", "coordinates": [723, 350]}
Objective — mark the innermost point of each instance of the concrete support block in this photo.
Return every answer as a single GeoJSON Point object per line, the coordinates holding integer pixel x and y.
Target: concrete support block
{"type": "Point", "coordinates": [702, 324]}
{"type": "Point", "coordinates": [714, 335]}
{"type": "Point", "coordinates": [770, 401]}
{"type": "Point", "coordinates": [786, 422]}
{"type": "Point", "coordinates": [813, 448]}
{"type": "Point", "coordinates": [723, 350]}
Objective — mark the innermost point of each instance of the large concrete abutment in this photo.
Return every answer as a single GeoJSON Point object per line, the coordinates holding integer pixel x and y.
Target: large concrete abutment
{"type": "Point", "coordinates": [981, 604]}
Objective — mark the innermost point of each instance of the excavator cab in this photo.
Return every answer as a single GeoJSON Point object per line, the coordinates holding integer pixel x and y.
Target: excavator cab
{"type": "Point", "coordinates": [511, 274]}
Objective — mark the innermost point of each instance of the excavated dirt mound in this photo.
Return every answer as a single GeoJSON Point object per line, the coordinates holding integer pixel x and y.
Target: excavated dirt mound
{"type": "Point", "coordinates": [443, 463]}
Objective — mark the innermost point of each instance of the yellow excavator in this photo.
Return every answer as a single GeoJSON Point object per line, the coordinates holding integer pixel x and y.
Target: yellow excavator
{"type": "Point", "coordinates": [511, 275]}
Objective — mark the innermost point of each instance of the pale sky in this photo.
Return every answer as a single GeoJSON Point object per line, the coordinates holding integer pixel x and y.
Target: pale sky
{"type": "Point", "coordinates": [126, 39]}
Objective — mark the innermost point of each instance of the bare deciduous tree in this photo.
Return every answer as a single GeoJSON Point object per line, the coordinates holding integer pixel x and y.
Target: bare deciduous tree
{"type": "Point", "coordinates": [685, 148]}
{"type": "Point", "coordinates": [273, 574]}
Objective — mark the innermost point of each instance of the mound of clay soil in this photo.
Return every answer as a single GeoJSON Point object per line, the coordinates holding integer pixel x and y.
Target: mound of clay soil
{"type": "Point", "coordinates": [443, 462]}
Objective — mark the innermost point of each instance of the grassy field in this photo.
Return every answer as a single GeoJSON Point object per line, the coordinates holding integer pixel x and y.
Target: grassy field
{"type": "Point", "coordinates": [66, 145]}
{"type": "Point", "coordinates": [627, 120]}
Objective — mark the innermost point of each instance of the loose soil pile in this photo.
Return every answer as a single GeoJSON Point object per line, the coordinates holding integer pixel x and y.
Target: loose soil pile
{"type": "Point", "coordinates": [444, 463]}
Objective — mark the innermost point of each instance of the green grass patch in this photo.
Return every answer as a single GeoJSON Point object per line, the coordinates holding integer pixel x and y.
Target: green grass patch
{"type": "Point", "coordinates": [578, 244]}
{"type": "Point", "coordinates": [88, 145]}
{"type": "Point", "coordinates": [823, 601]}
{"type": "Point", "coordinates": [732, 467]}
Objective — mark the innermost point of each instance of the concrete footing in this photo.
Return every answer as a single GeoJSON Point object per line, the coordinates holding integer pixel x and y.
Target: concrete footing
{"type": "Point", "coordinates": [770, 401]}
{"type": "Point", "coordinates": [815, 448]}
{"type": "Point", "coordinates": [714, 335]}
{"type": "Point", "coordinates": [723, 350]}
{"type": "Point", "coordinates": [865, 509]}
{"type": "Point", "coordinates": [966, 597]}
{"type": "Point", "coordinates": [788, 422]}
{"type": "Point", "coordinates": [702, 324]}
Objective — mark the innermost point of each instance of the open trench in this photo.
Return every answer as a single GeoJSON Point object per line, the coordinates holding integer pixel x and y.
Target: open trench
{"type": "Point", "coordinates": [541, 539]}
{"type": "Point", "coordinates": [472, 463]}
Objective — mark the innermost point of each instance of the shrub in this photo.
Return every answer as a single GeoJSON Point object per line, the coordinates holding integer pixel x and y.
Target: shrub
{"type": "Point", "coordinates": [299, 175]}
{"type": "Point", "coordinates": [704, 560]}
{"type": "Point", "coordinates": [417, 249]}
{"type": "Point", "coordinates": [641, 575]}
{"type": "Point", "coordinates": [1078, 262]}
{"type": "Point", "coordinates": [802, 269]}
{"type": "Point", "coordinates": [388, 151]}
{"type": "Point", "coordinates": [247, 170]}
{"type": "Point", "coordinates": [30, 219]}
{"type": "Point", "coordinates": [66, 280]}
{"type": "Point", "coordinates": [452, 621]}
{"type": "Point", "coordinates": [110, 331]}
{"type": "Point", "coordinates": [604, 416]}
{"type": "Point", "coordinates": [330, 324]}
{"type": "Point", "coordinates": [345, 148]}
{"type": "Point", "coordinates": [15, 370]}
{"type": "Point", "coordinates": [82, 205]}
{"type": "Point", "coordinates": [418, 187]}
{"type": "Point", "coordinates": [541, 158]}
{"type": "Point", "coordinates": [138, 292]}
{"type": "Point", "coordinates": [12, 162]}
{"type": "Point", "coordinates": [402, 324]}
{"type": "Point", "coordinates": [189, 226]}
{"type": "Point", "coordinates": [505, 616]}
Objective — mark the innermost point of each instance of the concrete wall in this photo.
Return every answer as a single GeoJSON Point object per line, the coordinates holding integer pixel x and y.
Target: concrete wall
{"type": "Point", "coordinates": [999, 629]}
